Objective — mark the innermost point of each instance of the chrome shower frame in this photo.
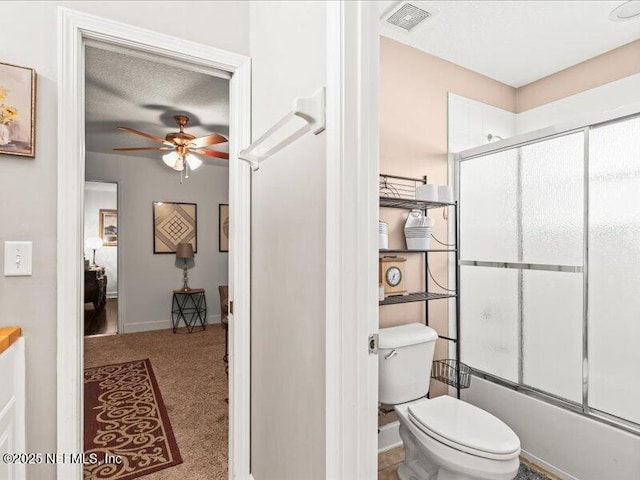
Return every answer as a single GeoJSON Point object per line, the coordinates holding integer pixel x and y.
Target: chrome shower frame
{"type": "Point", "coordinates": [584, 126]}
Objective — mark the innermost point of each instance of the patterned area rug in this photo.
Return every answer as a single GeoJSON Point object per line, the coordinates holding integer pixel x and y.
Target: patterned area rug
{"type": "Point", "coordinates": [125, 418]}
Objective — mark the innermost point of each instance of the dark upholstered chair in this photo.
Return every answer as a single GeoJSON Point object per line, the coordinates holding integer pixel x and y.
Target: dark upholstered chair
{"type": "Point", "coordinates": [224, 319]}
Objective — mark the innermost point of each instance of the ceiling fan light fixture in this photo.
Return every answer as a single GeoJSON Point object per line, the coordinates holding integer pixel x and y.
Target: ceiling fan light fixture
{"type": "Point", "coordinates": [193, 161]}
{"type": "Point", "coordinates": [170, 159]}
{"type": "Point", "coordinates": [179, 165]}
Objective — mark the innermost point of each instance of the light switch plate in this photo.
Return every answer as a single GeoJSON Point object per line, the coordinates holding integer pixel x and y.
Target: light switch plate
{"type": "Point", "coordinates": [17, 259]}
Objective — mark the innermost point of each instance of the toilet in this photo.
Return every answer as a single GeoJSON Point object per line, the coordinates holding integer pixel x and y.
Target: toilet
{"type": "Point", "coordinates": [444, 438]}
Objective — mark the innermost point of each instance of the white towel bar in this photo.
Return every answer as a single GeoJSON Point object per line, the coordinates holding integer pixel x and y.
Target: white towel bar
{"type": "Point", "coordinates": [310, 109]}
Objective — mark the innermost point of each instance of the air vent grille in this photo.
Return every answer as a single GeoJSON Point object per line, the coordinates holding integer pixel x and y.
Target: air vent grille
{"type": "Point", "coordinates": [408, 17]}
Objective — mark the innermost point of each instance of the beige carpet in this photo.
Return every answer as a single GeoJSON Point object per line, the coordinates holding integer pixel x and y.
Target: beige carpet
{"type": "Point", "coordinates": [191, 377]}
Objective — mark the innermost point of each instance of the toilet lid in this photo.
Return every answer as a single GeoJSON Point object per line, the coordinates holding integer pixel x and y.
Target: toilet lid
{"type": "Point", "coordinates": [465, 427]}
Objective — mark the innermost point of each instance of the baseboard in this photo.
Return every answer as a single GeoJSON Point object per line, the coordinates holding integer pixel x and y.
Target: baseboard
{"type": "Point", "coordinates": [112, 294]}
{"type": "Point", "coordinates": [546, 466]}
{"type": "Point", "coordinates": [389, 436]}
{"type": "Point", "coordinates": [146, 326]}
{"type": "Point", "coordinates": [160, 325]}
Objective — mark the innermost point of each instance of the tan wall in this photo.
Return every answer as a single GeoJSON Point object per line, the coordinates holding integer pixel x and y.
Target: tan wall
{"type": "Point", "coordinates": [613, 65]}
{"type": "Point", "coordinates": [413, 142]}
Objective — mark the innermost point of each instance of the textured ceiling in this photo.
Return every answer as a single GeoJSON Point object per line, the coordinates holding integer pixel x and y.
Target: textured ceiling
{"type": "Point", "coordinates": [516, 42]}
{"type": "Point", "coordinates": [133, 92]}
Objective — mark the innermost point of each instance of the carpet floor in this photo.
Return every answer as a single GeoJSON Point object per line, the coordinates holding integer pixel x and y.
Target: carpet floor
{"type": "Point", "coordinates": [191, 378]}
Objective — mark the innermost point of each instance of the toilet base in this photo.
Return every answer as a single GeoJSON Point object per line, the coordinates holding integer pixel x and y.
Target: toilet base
{"type": "Point", "coordinates": [422, 464]}
{"type": "Point", "coordinates": [418, 466]}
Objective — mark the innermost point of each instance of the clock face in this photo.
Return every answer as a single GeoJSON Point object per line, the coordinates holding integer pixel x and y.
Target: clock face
{"type": "Point", "coordinates": [394, 276]}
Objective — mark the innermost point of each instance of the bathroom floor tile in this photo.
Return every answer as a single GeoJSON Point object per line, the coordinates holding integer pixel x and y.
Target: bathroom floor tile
{"type": "Point", "coordinates": [390, 458]}
{"type": "Point", "coordinates": [389, 461]}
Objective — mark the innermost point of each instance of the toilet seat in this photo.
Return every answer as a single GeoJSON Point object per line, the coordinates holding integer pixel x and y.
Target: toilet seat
{"type": "Point", "coordinates": [464, 427]}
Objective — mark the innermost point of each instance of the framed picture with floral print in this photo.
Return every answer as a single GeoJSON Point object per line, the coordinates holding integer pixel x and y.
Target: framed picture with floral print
{"type": "Point", "coordinates": [17, 110]}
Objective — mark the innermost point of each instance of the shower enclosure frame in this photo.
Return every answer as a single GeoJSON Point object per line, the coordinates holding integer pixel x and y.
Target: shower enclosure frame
{"type": "Point", "coordinates": [585, 126]}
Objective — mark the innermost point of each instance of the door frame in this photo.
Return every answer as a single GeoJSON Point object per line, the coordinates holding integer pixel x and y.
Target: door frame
{"type": "Point", "coordinates": [74, 29]}
{"type": "Point", "coordinates": [351, 408]}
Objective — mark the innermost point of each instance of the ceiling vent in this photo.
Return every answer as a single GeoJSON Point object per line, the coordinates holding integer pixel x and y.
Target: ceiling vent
{"type": "Point", "coordinates": [408, 16]}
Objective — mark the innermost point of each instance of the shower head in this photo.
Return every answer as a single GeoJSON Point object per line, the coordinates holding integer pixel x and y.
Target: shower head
{"type": "Point", "coordinates": [492, 137]}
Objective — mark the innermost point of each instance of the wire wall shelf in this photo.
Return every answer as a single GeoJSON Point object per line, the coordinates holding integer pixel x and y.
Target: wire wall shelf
{"type": "Point", "coordinates": [399, 192]}
{"type": "Point", "coordinates": [411, 204]}
{"type": "Point", "coordinates": [414, 297]}
{"type": "Point", "coordinates": [430, 250]}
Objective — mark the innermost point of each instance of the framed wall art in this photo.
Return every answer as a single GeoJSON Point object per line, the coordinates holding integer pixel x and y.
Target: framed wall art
{"type": "Point", "coordinates": [108, 227]}
{"type": "Point", "coordinates": [223, 227]}
{"type": "Point", "coordinates": [17, 110]}
{"type": "Point", "coordinates": [174, 223]}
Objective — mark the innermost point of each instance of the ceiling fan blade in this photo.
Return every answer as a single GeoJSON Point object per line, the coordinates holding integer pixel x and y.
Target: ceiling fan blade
{"type": "Point", "coordinates": [133, 149]}
{"type": "Point", "coordinates": [212, 153]}
{"type": "Point", "coordinates": [146, 135]}
{"type": "Point", "coordinates": [208, 140]}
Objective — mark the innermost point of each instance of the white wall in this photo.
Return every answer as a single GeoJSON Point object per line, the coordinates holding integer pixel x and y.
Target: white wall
{"type": "Point", "coordinates": [288, 250]}
{"type": "Point", "coordinates": [586, 104]}
{"type": "Point", "coordinates": [28, 186]}
{"type": "Point", "coordinates": [567, 444]}
{"type": "Point", "coordinates": [148, 279]}
{"type": "Point", "coordinates": [101, 196]}
{"type": "Point", "coordinates": [470, 122]}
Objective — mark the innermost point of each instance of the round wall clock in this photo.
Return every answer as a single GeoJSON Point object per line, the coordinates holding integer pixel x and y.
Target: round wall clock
{"type": "Point", "coordinates": [394, 276]}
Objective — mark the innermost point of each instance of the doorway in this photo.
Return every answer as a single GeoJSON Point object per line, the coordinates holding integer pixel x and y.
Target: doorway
{"type": "Point", "coordinates": [101, 249]}
{"type": "Point", "coordinates": [77, 30]}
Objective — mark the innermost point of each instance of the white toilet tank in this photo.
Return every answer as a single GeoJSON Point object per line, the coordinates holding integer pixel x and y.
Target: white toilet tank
{"type": "Point", "coordinates": [405, 357]}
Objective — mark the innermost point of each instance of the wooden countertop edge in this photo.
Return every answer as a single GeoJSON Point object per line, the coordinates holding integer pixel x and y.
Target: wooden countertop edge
{"type": "Point", "coordinates": [8, 336]}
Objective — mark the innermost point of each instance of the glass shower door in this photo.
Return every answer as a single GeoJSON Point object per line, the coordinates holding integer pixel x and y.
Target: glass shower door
{"type": "Point", "coordinates": [522, 239]}
{"type": "Point", "coordinates": [614, 266]}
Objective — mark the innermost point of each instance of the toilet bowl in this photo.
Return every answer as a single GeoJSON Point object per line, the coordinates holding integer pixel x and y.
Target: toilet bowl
{"type": "Point", "coordinates": [448, 439]}
{"type": "Point", "coordinates": [444, 438]}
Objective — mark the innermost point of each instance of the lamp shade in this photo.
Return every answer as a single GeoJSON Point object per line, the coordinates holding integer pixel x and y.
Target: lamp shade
{"type": "Point", "coordinates": [184, 250]}
{"type": "Point", "coordinates": [93, 243]}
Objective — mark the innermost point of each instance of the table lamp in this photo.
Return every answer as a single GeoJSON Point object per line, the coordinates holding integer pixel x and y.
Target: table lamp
{"type": "Point", "coordinates": [93, 243]}
{"type": "Point", "coordinates": [184, 251]}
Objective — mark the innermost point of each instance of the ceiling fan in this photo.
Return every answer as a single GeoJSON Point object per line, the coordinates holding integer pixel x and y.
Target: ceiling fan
{"type": "Point", "coordinates": [181, 146]}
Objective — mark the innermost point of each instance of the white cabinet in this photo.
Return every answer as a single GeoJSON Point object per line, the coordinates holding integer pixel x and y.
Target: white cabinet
{"type": "Point", "coordinates": [12, 405]}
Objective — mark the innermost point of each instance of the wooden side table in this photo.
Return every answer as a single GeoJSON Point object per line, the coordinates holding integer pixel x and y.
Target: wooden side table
{"type": "Point", "coordinates": [95, 287]}
{"type": "Point", "coordinates": [189, 306]}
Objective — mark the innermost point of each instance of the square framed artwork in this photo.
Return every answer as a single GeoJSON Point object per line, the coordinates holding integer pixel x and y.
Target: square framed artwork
{"type": "Point", "coordinates": [223, 227]}
{"type": "Point", "coordinates": [174, 223]}
{"type": "Point", "coordinates": [108, 227]}
{"type": "Point", "coordinates": [17, 110]}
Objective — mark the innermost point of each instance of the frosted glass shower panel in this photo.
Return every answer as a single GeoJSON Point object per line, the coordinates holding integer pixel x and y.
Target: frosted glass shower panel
{"type": "Point", "coordinates": [552, 206]}
{"type": "Point", "coordinates": [614, 263]}
{"type": "Point", "coordinates": [489, 306]}
{"type": "Point", "coordinates": [552, 316]}
{"type": "Point", "coordinates": [488, 207]}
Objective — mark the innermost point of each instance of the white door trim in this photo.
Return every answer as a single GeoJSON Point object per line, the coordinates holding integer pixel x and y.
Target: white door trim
{"type": "Point", "coordinates": [74, 28]}
{"type": "Point", "coordinates": [352, 245]}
